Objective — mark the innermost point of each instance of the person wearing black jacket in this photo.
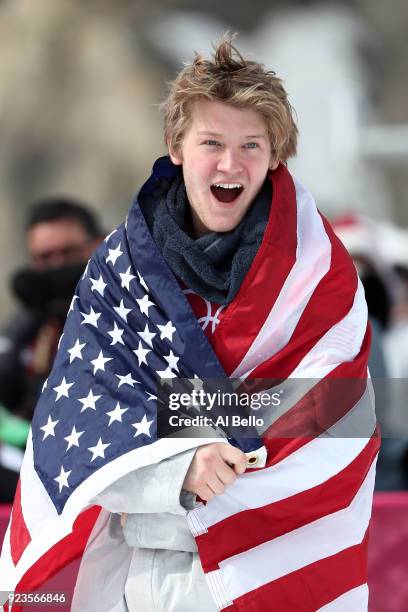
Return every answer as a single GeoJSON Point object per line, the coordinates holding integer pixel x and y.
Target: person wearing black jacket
{"type": "Point", "coordinates": [61, 234]}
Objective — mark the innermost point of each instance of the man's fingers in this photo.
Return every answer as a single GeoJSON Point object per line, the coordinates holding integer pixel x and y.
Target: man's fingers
{"type": "Point", "coordinates": [216, 484]}
{"type": "Point", "coordinates": [225, 472]}
{"type": "Point", "coordinates": [234, 457]}
{"type": "Point", "coordinates": [205, 493]}
{"type": "Point", "coordinates": [213, 467]}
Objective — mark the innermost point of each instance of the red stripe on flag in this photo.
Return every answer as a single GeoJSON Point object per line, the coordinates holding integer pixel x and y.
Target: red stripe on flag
{"type": "Point", "coordinates": [231, 536]}
{"type": "Point", "coordinates": [327, 402]}
{"type": "Point", "coordinates": [311, 587]}
{"type": "Point", "coordinates": [324, 405]}
{"type": "Point", "coordinates": [19, 534]}
{"type": "Point", "coordinates": [329, 304]}
{"type": "Point", "coordinates": [66, 550]}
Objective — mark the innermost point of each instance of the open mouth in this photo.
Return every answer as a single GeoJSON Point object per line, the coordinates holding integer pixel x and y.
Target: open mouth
{"type": "Point", "coordinates": [226, 192]}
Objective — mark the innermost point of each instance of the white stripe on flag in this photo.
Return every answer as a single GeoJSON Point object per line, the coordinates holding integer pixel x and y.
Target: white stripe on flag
{"type": "Point", "coordinates": [360, 419]}
{"type": "Point", "coordinates": [313, 257]}
{"type": "Point", "coordinates": [291, 476]}
{"type": "Point", "coordinates": [217, 589]}
{"type": "Point", "coordinates": [356, 600]}
{"type": "Point", "coordinates": [36, 505]}
{"type": "Point", "coordinates": [54, 527]}
{"type": "Point", "coordinates": [341, 343]}
{"type": "Point", "coordinates": [323, 538]}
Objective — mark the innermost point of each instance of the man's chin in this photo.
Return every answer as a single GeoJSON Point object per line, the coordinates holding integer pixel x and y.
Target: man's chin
{"type": "Point", "coordinates": [224, 225]}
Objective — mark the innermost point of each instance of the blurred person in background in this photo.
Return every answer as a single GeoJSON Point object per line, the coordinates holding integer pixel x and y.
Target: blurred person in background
{"type": "Point", "coordinates": [364, 239]}
{"type": "Point", "coordinates": [396, 343]}
{"type": "Point", "coordinates": [61, 235]}
{"type": "Point", "coordinates": [357, 233]}
{"type": "Point", "coordinates": [395, 244]}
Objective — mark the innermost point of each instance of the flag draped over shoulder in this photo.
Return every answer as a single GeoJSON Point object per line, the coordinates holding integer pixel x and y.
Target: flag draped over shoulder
{"type": "Point", "coordinates": [294, 532]}
{"type": "Point", "coordinates": [293, 535]}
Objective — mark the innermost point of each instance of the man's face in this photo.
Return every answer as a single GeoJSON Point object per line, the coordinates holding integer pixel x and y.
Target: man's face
{"type": "Point", "coordinates": [225, 155]}
{"type": "Point", "coordinates": [54, 244]}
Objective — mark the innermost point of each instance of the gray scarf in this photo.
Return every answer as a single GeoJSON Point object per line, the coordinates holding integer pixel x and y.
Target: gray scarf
{"type": "Point", "coordinates": [215, 264]}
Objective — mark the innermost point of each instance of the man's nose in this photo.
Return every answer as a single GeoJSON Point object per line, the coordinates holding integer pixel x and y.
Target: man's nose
{"type": "Point", "coordinates": [229, 162]}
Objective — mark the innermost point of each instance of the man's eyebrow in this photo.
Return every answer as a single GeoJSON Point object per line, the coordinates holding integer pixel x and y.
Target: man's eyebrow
{"type": "Point", "coordinates": [256, 136]}
{"type": "Point", "coordinates": [207, 133]}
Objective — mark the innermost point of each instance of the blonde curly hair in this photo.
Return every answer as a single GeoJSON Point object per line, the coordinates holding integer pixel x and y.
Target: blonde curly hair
{"type": "Point", "coordinates": [229, 78]}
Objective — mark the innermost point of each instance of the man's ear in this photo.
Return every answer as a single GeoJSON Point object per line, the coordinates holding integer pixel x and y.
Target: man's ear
{"type": "Point", "coordinates": [273, 164]}
{"type": "Point", "coordinates": [175, 154]}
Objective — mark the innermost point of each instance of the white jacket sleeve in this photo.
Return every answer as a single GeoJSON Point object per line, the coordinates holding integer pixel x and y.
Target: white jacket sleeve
{"type": "Point", "coordinates": [151, 489]}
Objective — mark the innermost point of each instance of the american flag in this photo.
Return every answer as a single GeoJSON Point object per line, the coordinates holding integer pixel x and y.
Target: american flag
{"type": "Point", "coordinates": [292, 534]}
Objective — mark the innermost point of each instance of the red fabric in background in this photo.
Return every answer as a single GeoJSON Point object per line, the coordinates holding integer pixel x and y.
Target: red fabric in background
{"type": "Point", "coordinates": [388, 555]}
{"type": "Point", "coordinates": [4, 518]}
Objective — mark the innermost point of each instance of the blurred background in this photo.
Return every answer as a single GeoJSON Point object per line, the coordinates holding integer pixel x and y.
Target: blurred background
{"type": "Point", "coordinates": [80, 84]}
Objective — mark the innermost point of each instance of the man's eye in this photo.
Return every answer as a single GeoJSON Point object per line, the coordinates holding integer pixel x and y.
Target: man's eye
{"type": "Point", "coordinates": [251, 145]}
{"type": "Point", "coordinates": [212, 143]}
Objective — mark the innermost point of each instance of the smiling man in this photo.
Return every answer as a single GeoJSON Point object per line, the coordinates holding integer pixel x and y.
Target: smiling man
{"type": "Point", "coordinates": [224, 268]}
{"type": "Point", "coordinates": [225, 155]}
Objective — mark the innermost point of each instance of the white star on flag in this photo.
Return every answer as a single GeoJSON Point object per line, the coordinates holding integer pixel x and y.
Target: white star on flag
{"type": "Point", "coordinates": [143, 427]}
{"type": "Point", "coordinates": [147, 336]}
{"type": "Point", "coordinates": [141, 354]}
{"type": "Point", "coordinates": [48, 429]}
{"type": "Point", "coordinates": [75, 351]}
{"type": "Point", "coordinates": [89, 401]}
{"type": "Point", "coordinates": [91, 318]}
{"type": "Point", "coordinates": [60, 340]}
{"type": "Point", "coordinates": [145, 304]}
{"type": "Point", "coordinates": [114, 254]}
{"type": "Point", "coordinates": [62, 479]}
{"type": "Point", "coordinates": [122, 311]}
{"type": "Point", "coordinates": [73, 438]}
{"type": "Point", "coordinates": [142, 281]}
{"type": "Point", "coordinates": [126, 380]}
{"type": "Point", "coordinates": [126, 278]}
{"type": "Point", "coordinates": [62, 389]}
{"type": "Point", "coordinates": [98, 284]}
{"type": "Point", "coordinates": [44, 386]}
{"type": "Point", "coordinates": [116, 415]}
{"type": "Point", "coordinates": [111, 234]}
{"type": "Point", "coordinates": [172, 360]}
{"type": "Point", "coordinates": [167, 373]}
{"type": "Point", "coordinates": [167, 331]}
{"type": "Point", "coordinates": [151, 396]}
{"type": "Point", "coordinates": [99, 362]}
{"type": "Point", "coordinates": [98, 450]}
{"type": "Point", "coordinates": [116, 335]}
{"type": "Point", "coordinates": [71, 306]}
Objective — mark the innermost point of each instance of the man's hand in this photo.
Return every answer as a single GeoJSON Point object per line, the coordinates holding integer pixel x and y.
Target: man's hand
{"type": "Point", "coordinates": [214, 466]}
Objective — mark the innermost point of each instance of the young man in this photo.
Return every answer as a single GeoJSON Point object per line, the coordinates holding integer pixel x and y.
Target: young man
{"type": "Point", "coordinates": [222, 223]}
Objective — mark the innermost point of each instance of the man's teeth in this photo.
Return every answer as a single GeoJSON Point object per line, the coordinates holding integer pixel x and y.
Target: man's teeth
{"type": "Point", "coordinates": [228, 185]}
